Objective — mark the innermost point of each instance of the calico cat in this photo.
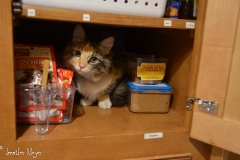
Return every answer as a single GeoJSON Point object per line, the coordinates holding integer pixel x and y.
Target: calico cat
{"type": "Point", "coordinates": [98, 75]}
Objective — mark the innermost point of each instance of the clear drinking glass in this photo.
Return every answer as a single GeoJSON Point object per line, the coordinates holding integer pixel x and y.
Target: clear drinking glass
{"type": "Point", "coordinates": [42, 103]}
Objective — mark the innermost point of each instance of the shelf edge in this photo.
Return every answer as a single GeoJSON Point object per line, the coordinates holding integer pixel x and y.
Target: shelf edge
{"type": "Point", "coordinates": [67, 15]}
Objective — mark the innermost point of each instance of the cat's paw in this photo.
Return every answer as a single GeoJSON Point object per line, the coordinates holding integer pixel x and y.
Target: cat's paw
{"type": "Point", "coordinates": [85, 102]}
{"type": "Point", "coordinates": [105, 104]}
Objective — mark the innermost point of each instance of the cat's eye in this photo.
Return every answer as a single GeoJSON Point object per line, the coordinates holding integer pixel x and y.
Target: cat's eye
{"type": "Point", "coordinates": [76, 53]}
{"type": "Point", "coordinates": [93, 60]}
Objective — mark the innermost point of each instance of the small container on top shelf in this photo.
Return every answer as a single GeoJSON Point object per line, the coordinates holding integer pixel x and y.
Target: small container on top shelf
{"type": "Point", "coordinates": [188, 9]}
{"type": "Point", "coordinates": [172, 8]}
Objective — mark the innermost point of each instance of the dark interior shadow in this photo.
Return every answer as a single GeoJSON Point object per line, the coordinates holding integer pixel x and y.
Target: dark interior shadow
{"type": "Point", "coordinates": [22, 128]}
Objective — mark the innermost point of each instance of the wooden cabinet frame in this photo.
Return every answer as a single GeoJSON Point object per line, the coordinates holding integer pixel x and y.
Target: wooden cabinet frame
{"type": "Point", "coordinates": [101, 140]}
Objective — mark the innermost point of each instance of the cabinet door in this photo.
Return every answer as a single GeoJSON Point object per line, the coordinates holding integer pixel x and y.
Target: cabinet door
{"type": "Point", "coordinates": [218, 77]}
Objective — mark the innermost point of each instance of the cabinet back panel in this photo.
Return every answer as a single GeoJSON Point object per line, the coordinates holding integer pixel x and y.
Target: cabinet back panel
{"type": "Point", "coordinates": [178, 50]}
{"type": "Point", "coordinates": [139, 40]}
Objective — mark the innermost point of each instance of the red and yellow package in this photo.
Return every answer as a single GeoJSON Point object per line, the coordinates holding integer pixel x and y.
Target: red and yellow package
{"type": "Point", "coordinates": [29, 64]}
{"type": "Point", "coordinates": [29, 73]}
{"type": "Point", "coordinates": [65, 77]}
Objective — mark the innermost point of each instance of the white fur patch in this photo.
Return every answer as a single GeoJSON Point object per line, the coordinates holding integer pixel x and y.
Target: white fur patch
{"type": "Point", "coordinates": [105, 104]}
{"type": "Point", "coordinates": [85, 102]}
{"type": "Point", "coordinates": [93, 91]}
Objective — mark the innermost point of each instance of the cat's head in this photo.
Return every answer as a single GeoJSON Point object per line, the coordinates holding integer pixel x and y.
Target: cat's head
{"type": "Point", "coordinates": [91, 61]}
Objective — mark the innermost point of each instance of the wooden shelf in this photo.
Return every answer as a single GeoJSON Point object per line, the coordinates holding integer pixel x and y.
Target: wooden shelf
{"type": "Point", "coordinates": [114, 133]}
{"type": "Point", "coordinates": [56, 14]}
{"type": "Point", "coordinates": [96, 122]}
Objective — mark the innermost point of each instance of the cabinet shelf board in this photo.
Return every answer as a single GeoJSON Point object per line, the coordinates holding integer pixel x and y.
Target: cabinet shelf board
{"type": "Point", "coordinates": [96, 122]}
{"type": "Point", "coordinates": [67, 15]}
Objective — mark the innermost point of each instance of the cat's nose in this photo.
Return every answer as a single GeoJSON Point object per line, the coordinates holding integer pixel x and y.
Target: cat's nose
{"type": "Point", "coordinates": [82, 67]}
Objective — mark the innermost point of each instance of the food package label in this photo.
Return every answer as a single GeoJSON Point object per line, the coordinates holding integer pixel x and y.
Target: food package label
{"type": "Point", "coordinates": [151, 71]}
{"type": "Point", "coordinates": [29, 64]}
{"type": "Point", "coordinates": [65, 77]}
{"type": "Point", "coordinates": [172, 8]}
{"type": "Point", "coordinates": [28, 74]}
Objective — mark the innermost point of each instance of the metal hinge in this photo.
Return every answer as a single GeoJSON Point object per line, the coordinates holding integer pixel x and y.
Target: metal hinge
{"type": "Point", "coordinates": [207, 106]}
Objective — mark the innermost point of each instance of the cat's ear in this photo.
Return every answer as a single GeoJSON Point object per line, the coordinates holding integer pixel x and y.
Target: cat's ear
{"type": "Point", "coordinates": [106, 45]}
{"type": "Point", "coordinates": [78, 34]}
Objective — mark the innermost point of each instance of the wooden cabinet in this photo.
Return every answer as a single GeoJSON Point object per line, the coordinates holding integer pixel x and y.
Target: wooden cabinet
{"type": "Point", "coordinates": [203, 64]}
{"type": "Point", "coordinates": [217, 78]}
{"type": "Point", "coordinates": [184, 156]}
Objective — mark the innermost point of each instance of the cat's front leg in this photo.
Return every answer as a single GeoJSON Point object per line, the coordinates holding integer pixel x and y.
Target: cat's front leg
{"type": "Point", "coordinates": [104, 102]}
{"type": "Point", "coordinates": [86, 102]}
